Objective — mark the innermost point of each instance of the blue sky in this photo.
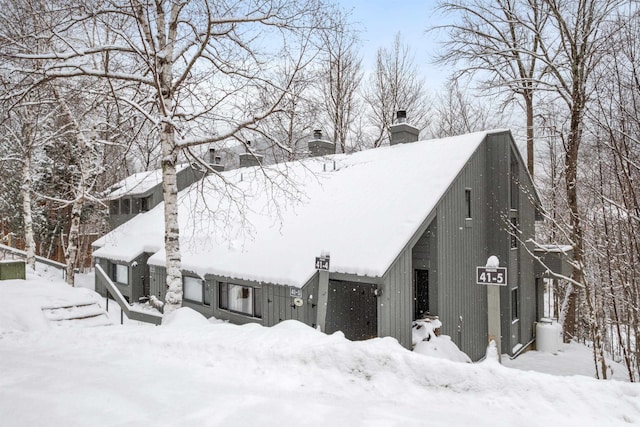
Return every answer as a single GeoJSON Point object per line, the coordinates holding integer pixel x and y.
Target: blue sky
{"type": "Point", "coordinates": [381, 20]}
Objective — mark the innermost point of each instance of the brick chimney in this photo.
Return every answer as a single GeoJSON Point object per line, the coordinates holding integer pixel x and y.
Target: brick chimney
{"type": "Point", "coordinates": [320, 147]}
{"type": "Point", "coordinates": [401, 131]}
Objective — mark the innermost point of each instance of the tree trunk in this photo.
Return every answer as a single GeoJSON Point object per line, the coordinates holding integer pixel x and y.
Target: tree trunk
{"type": "Point", "coordinates": [528, 98]}
{"type": "Point", "coordinates": [25, 189]}
{"type": "Point", "coordinates": [71, 253]}
{"type": "Point", "coordinates": [575, 233]}
{"type": "Point", "coordinates": [173, 297]}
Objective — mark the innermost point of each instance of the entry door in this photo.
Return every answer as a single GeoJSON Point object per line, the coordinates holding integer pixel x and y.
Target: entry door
{"type": "Point", "coordinates": [352, 309]}
{"type": "Point", "coordinates": [146, 283]}
{"type": "Point", "coordinates": [420, 293]}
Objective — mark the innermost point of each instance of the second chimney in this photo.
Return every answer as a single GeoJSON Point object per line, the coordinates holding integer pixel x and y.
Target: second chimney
{"type": "Point", "coordinates": [215, 162]}
{"type": "Point", "coordinates": [249, 158]}
{"type": "Point", "coordinates": [401, 131]}
{"type": "Point", "coordinates": [320, 147]}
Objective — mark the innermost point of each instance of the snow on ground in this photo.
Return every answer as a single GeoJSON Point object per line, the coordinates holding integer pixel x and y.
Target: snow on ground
{"type": "Point", "coordinates": [191, 371]}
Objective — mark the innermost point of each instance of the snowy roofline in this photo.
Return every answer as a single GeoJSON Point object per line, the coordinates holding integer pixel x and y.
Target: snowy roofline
{"type": "Point", "coordinates": [288, 218]}
{"type": "Point", "coordinates": [555, 248]}
{"type": "Point", "coordinates": [139, 183]}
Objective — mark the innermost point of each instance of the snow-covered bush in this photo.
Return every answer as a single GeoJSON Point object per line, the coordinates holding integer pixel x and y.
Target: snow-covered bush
{"type": "Point", "coordinates": [427, 340]}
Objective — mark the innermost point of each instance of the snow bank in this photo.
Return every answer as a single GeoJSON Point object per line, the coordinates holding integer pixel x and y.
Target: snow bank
{"type": "Point", "coordinates": [184, 317]}
{"type": "Point", "coordinates": [193, 372]}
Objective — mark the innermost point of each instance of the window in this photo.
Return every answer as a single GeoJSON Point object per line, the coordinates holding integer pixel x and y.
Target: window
{"type": "Point", "coordinates": [145, 202]}
{"type": "Point", "coordinates": [114, 207]}
{"type": "Point", "coordinates": [120, 273]}
{"type": "Point", "coordinates": [241, 299]}
{"type": "Point", "coordinates": [467, 202]}
{"type": "Point", "coordinates": [515, 181]}
{"type": "Point", "coordinates": [196, 290]}
{"type": "Point", "coordinates": [514, 233]}
{"type": "Point", "coordinates": [515, 298]}
{"type": "Point", "coordinates": [125, 206]}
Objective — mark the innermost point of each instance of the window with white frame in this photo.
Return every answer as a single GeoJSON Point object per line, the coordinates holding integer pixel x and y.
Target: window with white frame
{"type": "Point", "coordinates": [120, 273]}
{"type": "Point", "coordinates": [196, 290]}
{"type": "Point", "coordinates": [240, 299]}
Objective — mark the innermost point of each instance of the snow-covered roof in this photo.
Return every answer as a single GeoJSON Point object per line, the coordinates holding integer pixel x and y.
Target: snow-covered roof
{"type": "Point", "coordinates": [138, 183]}
{"type": "Point", "coordinates": [269, 224]}
{"type": "Point", "coordinates": [565, 249]}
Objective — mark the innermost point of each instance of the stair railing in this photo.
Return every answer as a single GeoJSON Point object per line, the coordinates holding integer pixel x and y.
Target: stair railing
{"type": "Point", "coordinates": [150, 316]}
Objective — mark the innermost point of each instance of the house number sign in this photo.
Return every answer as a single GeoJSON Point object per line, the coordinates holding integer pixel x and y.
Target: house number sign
{"type": "Point", "coordinates": [491, 276]}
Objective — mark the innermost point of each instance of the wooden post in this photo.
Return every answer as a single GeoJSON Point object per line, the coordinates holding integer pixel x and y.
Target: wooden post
{"type": "Point", "coordinates": [493, 316]}
{"type": "Point", "coordinates": [323, 298]}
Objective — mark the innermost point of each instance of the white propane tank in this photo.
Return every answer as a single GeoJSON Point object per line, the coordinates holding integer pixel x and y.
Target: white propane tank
{"type": "Point", "coordinates": [548, 336]}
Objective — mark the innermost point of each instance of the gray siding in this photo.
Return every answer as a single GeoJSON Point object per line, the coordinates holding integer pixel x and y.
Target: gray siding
{"type": "Point", "coordinates": [462, 246]}
{"type": "Point", "coordinates": [395, 306]}
{"type": "Point", "coordinates": [185, 178]}
{"type": "Point", "coordinates": [104, 263]}
{"type": "Point", "coordinates": [528, 291]}
{"type": "Point", "coordinates": [498, 211]}
{"type": "Point", "coordinates": [157, 278]}
{"type": "Point", "coordinates": [137, 274]}
{"type": "Point", "coordinates": [277, 302]}
{"type": "Point", "coordinates": [155, 197]}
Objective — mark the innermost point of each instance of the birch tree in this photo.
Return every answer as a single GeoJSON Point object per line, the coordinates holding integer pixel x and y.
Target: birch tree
{"type": "Point", "coordinates": [19, 140]}
{"type": "Point", "coordinates": [198, 62]}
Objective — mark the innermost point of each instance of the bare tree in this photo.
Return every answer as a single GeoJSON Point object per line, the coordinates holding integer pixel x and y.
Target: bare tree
{"type": "Point", "coordinates": [571, 59]}
{"type": "Point", "coordinates": [498, 41]}
{"type": "Point", "coordinates": [341, 75]}
{"type": "Point", "coordinates": [613, 228]}
{"type": "Point", "coordinates": [286, 131]}
{"type": "Point", "coordinates": [395, 85]}
{"type": "Point", "coordinates": [455, 114]}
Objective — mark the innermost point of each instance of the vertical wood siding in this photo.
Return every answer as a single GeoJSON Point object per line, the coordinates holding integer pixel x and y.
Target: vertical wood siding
{"type": "Point", "coordinates": [462, 246]}
{"type": "Point", "coordinates": [528, 295]}
{"type": "Point", "coordinates": [395, 306]}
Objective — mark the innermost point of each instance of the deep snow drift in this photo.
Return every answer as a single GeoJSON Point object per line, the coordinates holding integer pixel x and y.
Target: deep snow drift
{"type": "Point", "coordinates": [192, 371]}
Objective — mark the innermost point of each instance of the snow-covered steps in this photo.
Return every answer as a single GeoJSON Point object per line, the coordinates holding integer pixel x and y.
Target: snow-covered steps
{"type": "Point", "coordinates": [78, 315]}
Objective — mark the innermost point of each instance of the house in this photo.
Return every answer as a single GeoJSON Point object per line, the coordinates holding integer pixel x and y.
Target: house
{"type": "Point", "coordinates": [142, 191]}
{"type": "Point", "coordinates": [362, 243]}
